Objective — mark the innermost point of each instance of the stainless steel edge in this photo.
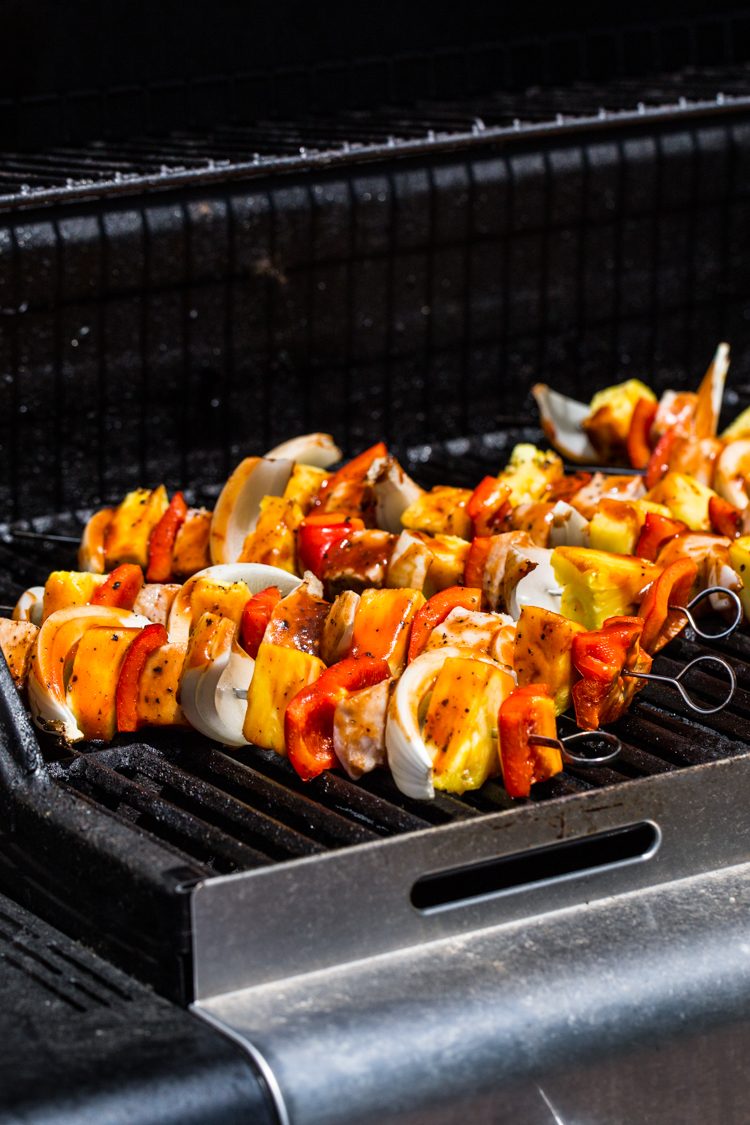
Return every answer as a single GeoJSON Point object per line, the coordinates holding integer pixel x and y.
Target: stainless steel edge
{"type": "Point", "coordinates": [632, 1009]}
{"type": "Point", "coordinates": [312, 914]}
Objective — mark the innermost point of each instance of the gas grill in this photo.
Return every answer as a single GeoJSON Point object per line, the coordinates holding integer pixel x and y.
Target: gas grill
{"type": "Point", "coordinates": [403, 266]}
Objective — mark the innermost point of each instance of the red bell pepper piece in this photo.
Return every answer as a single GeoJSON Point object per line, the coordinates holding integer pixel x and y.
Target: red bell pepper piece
{"type": "Point", "coordinates": [126, 696]}
{"type": "Point", "coordinates": [476, 560]}
{"type": "Point", "coordinates": [435, 611]}
{"type": "Point", "coordinates": [724, 517]}
{"type": "Point", "coordinates": [488, 505]}
{"type": "Point", "coordinates": [601, 657]}
{"type": "Point", "coordinates": [122, 587]}
{"type": "Point", "coordinates": [308, 720]}
{"type": "Point", "coordinates": [656, 530]}
{"type": "Point", "coordinates": [567, 486]}
{"type": "Point", "coordinates": [526, 711]}
{"type": "Point", "coordinates": [161, 540]}
{"type": "Point", "coordinates": [658, 463]}
{"type": "Point", "coordinates": [672, 587]}
{"type": "Point", "coordinates": [318, 533]}
{"type": "Point", "coordinates": [638, 444]}
{"type": "Point", "coordinates": [255, 618]}
{"type": "Point", "coordinates": [346, 488]}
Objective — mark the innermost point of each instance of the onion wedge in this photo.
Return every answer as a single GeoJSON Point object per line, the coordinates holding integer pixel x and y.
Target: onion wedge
{"type": "Point", "coordinates": [409, 759]}
{"type": "Point", "coordinates": [256, 576]}
{"type": "Point", "coordinates": [238, 507]}
{"type": "Point", "coordinates": [50, 656]}
{"type": "Point", "coordinates": [394, 490]}
{"type": "Point", "coordinates": [732, 474]}
{"type": "Point", "coordinates": [30, 606]}
{"type": "Point", "coordinates": [561, 419]}
{"type": "Point", "coordinates": [319, 450]}
{"type": "Point", "coordinates": [710, 394]}
{"type": "Point", "coordinates": [213, 690]}
{"type": "Point", "coordinates": [92, 554]}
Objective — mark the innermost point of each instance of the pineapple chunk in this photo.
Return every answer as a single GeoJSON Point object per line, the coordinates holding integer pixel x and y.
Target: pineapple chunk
{"type": "Point", "coordinates": [279, 674]}
{"type": "Point", "coordinates": [442, 511]}
{"type": "Point", "coordinates": [597, 585]}
{"type": "Point", "coordinates": [382, 625]}
{"type": "Point", "coordinates": [92, 687]}
{"type": "Point", "coordinates": [304, 484]}
{"type": "Point", "coordinates": [461, 723]}
{"type": "Point", "coordinates": [222, 599]}
{"type": "Point", "coordinates": [16, 641]}
{"type": "Point", "coordinates": [273, 541]}
{"type": "Point", "coordinates": [190, 553]}
{"type": "Point", "coordinates": [529, 473]}
{"type": "Point", "coordinates": [614, 527]}
{"type": "Point", "coordinates": [686, 499]}
{"type": "Point", "coordinates": [448, 562]}
{"type": "Point", "coordinates": [66, 588]}
{"type": "Point", "coordinates": [739, 557]}
{"type": "Point", "coordinates": [127, 536]}
{"type": "Point", "coordinates": [610, 414]}
{"type": "Point", "coordinates": [541, 652]}
{"type": "Point", "coordinates": [158, 688]}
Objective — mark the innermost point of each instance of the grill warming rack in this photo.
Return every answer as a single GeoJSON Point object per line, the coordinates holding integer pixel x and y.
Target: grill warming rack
{"type": "Point", "coordinates": [175, 854]}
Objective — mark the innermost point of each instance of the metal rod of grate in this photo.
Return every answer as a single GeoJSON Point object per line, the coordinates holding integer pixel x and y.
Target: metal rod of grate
{"type": "Point", "coordinates": [277, 144]}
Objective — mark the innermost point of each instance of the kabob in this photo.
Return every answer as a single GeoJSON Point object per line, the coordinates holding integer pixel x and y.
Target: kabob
{"type": "Point", "coordinates": [397, 644]}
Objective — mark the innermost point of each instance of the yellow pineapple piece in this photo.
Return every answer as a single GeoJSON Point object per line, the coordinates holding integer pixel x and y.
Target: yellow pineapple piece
{"type": "Point", "coordinates": [541, 652]}
{"type": "Point", "coordinates": [222, 599]}
{"type": "Point", "coordinates": [461, 723]}
{"type": "Point", "coordinates": [279, 674]}
{"type": "Point", "coordinates": [686, 499]}
{"type": "Point", "coordinates": [92, 686]}
{"type": "Point", "coordinates": [615, 527]}
{"type": "Point", "coordinates": [597, 584]}
{"type": "Point", "coordinates": [529, 473]}
{"type": "Point", "coordinates": [442, 511]}
{"type": "Point", "coordinates": [126, 537]}
{"type": "Point", "coordinates": [65, 588]}
{"type": "Point", "coordinates": [304, 484]}
{"type": "Point", "coordinates": [273, 541]}
{"type": "Point", "coordinates": [610, 414]}
{"type": "Point", "coordinates": [448, 561]}
{"type": "Point", "coordinates": [382, 625]}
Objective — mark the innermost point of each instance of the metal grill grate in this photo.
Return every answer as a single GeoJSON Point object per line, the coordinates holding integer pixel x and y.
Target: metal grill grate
{"type": "Point", "coordinates": [68, 173]}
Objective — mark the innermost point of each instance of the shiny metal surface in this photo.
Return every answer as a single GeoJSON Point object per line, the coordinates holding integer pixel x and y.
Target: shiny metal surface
{"type": "Point", "coordinates": [325, 911]}
{"type": "Point", "coordinates": [635, 1008]}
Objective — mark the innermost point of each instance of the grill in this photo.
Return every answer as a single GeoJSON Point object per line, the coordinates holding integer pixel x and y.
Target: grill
{"type": "Point", "coordinates": [400, 266]}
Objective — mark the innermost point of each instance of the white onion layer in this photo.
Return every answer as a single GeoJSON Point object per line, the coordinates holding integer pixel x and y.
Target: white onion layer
{"type": "Point", "coordinates": [319, 450]}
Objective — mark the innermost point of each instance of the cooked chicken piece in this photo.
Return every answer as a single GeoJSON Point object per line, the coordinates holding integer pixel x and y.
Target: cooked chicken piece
{"type": "Point", "coordinates": [587, 498]}
{"type": "Point", "coordinates": [359, 561]}
{"type": "Point", "coordinates": [339, 627]}
{"type": "Point", "coordinates": [488, 634]}
{"type": "Point", "coordinates": [298, 619]}
{"type": "Point", "coordinates": [155, 599]}
{"type": "Point", "coordinates": [410, 563]}
{"type": "Point", "coordinates": [494, 570]}
{"type": "Point", "coordinates": [16, 641]}
{"type": "Point", "coordinates": [359, 729]}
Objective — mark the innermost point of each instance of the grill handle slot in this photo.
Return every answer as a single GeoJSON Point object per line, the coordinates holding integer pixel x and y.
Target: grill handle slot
{"type": "Point", "coordinates": [507, 874]}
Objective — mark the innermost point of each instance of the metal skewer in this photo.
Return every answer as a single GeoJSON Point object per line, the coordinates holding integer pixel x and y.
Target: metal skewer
{"type": "Point", "coordinates": [582, 736]}
{"type": "Point", "coordinates": [48, 537]}
{"type": "Point", "coordinates": [676, 682]}
{"type": "Point", "coordinates": [710, 592]}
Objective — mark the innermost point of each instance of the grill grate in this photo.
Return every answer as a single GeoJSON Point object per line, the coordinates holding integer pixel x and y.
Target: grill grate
{"type": "Point", "coordinates": [272, 144]}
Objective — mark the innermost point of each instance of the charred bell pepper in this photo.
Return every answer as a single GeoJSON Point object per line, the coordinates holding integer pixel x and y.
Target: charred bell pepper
{"type": "Point", "coordinates": [318, 533]}
{"type": "Point", "coordinates": [655, 532]}
{"type": "Point", "coordinates": [638, 444]}
{"type": "Point", "coordinates": [672, 587]}
{"type": "Point", "coordinates": [121, 589]}
{"type": "Point", "coordinates": [435, 611]}
{"type": "Point", "coordinates": [126, 697]}
{"type": "Point", "coordinates": [383, 623]}
{"type": "Point", "coordinates": [488, 505]}
{"type": "Point", "coordinates": [527, 711]}
{"type": "Point", "coordinates": [725, 519]}
{"type": "Point", "coordinates": [601, 658]}
{"type": "Point", "coordinates": [162, 538]}
{"type": "Point", "coordinates": [255, 618]}
{"type": "Point", "coordinates": [308, 721]}
{"type": "Point", "coordinates": [658, 462]}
